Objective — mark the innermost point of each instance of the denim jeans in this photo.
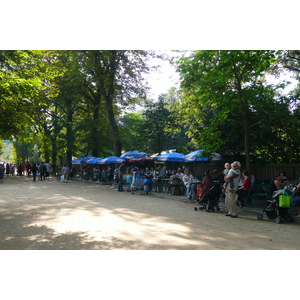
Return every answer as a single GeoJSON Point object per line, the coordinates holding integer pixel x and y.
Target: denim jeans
{"type": "Point", "coordinates": [190, 189]}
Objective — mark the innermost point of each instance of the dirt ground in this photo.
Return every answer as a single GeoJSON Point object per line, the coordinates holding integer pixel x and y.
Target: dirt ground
{"type": "Point", "coordinates": [86, 216]}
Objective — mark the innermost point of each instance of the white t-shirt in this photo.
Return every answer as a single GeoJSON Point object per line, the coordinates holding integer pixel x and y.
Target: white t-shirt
{"type": "Point", "coordinates": [236, 179]}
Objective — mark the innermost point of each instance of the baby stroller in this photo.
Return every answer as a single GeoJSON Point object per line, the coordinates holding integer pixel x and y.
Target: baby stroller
{"type": "Point", "coordinates": [277, 211]}
{"type": "Point", "coordinates": [137, 183]}
{"type": "Point", "coordinates": [208, 198]}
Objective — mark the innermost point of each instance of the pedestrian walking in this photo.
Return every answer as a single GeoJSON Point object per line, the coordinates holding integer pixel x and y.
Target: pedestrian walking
{"type": "Point", "coordinates": [65, 171]}
{"type": "Point", "coordinates": [43, 170]}
{"type": "Point", "coordinates": [34, 170]}
{"type": "Point", "coordinates": [122, 172]}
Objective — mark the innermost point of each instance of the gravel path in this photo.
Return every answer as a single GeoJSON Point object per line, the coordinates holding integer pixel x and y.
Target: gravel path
{"type": "Point", "coordinates": [78, 215]}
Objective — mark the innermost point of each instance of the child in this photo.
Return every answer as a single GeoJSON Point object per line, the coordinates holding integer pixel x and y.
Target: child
{"type": "Point", "coordinates": [148, 184]}
{"type": "Point", "coordinates": [225, 173]}
{"type": "Point", "coordinates": [230, 181]}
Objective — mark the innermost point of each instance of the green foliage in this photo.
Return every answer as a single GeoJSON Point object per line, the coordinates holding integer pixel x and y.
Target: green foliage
{"type": "Point", "coordinates": [23, 151]}
{"type": "Point", "coordinates": [22, 77]}
{"type": "Point", "coordinates": [225, 91]}
{"type": "Point", "coordinates": [73, 102]}
{"type": "Point", "coordinates": [156, 128]}
{"type": "Point", "coordinates": [131, 133]}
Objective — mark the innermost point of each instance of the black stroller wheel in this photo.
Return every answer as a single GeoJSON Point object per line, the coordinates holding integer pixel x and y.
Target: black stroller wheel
{"type": "Point", "coordinates": [260, 217]}
{"type": "Point", "coordinates": [195, 208]}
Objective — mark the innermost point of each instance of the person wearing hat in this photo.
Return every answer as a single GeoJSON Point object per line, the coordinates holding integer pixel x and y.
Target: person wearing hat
{"type": "Point", "coordinates": [122, 172]}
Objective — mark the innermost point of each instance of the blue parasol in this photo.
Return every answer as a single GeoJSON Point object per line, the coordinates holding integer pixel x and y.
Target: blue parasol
{"type": "Point", "coordinates": [173, 156]}
{"type": "Point", "coordinates": [216, 156]}
{"type": "Point", "coordinates": [111, 160]}
{"type": "Point", "coordinates": [85, 159]}
{"type": "Point", "coordinates": [94, 160]}
{"type": "Point", "coordinates": [76, 161]}
{"type": "Point", "coordinates": [196, 156]}
{"type": "Point", "coordinates": [135, 155]}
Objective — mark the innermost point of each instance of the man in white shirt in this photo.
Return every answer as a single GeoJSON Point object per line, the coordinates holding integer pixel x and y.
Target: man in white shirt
{"type": "Point", "coordinates": [231, 191]}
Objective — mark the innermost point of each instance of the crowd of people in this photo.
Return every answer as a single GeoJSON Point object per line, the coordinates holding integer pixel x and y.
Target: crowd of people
{"type": "Point", "coordinates": [236, 184]}
{"type": "Point", "coordinates": [41, 170]}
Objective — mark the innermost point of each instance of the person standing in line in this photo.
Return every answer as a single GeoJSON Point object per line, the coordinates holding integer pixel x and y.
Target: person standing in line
{"type": "Point", "coordinates": [34, 170]}
{"type": "Point", "coordinates": [48, 167]}
{"type": "Point", "coordinates": [122, 172]}
{"type": "Point", "coordinates": [244, 189]}
{"type": "Point", "coordinates": [28, 167]}
{"type": "Point", "coordinates": [296, 200]}
{"type": "Point", "coordinates": [66, 171]}
{"type": "Point", "coordinates": [7, 170]}
{"type": "Point", "coordinates": [115, 179]}
{"type": "Point", "coordinates": [1, 172]}
{"type": "Point", "coordinates": [104, 175]}
{"type": "Point", "coordinates": [19, 172]}
{"type": "Point", "coordinates": [43, 170]}
{"type": "Point", "coordinates": [12, 169]}
{"type": "Point", "coordinates": [23, 168]}
{"type": "Point", "coordinates": [38, 169]}
{"type": "Point", "coordinates": [230, 193]}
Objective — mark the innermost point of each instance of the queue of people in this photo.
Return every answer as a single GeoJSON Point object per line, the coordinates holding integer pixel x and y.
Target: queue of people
{"type": "Point", "coordinates": [236, 185]}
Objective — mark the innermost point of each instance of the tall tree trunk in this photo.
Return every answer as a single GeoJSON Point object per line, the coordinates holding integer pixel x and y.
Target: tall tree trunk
{"type": "Point", "coordinates": [46, 153]}
{"type": "Point", "coordinates": [95, 129]}
{"type": "Point", "coordinates": [247, 138]}
{"type": "Point", "coordinates": [107, 88]}
{"type": "Point", "coordinates": [54, 151]}
{"type": "Point", "coordinates": [113, 127]}
{"type": "Point", "coordinates": [245, 112]}
{"type": "Point", "coordinates": [70, 132]}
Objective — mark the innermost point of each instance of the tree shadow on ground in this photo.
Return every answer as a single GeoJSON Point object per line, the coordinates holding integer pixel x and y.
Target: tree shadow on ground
{"type": "Point", "coordinates": [43, 217]}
